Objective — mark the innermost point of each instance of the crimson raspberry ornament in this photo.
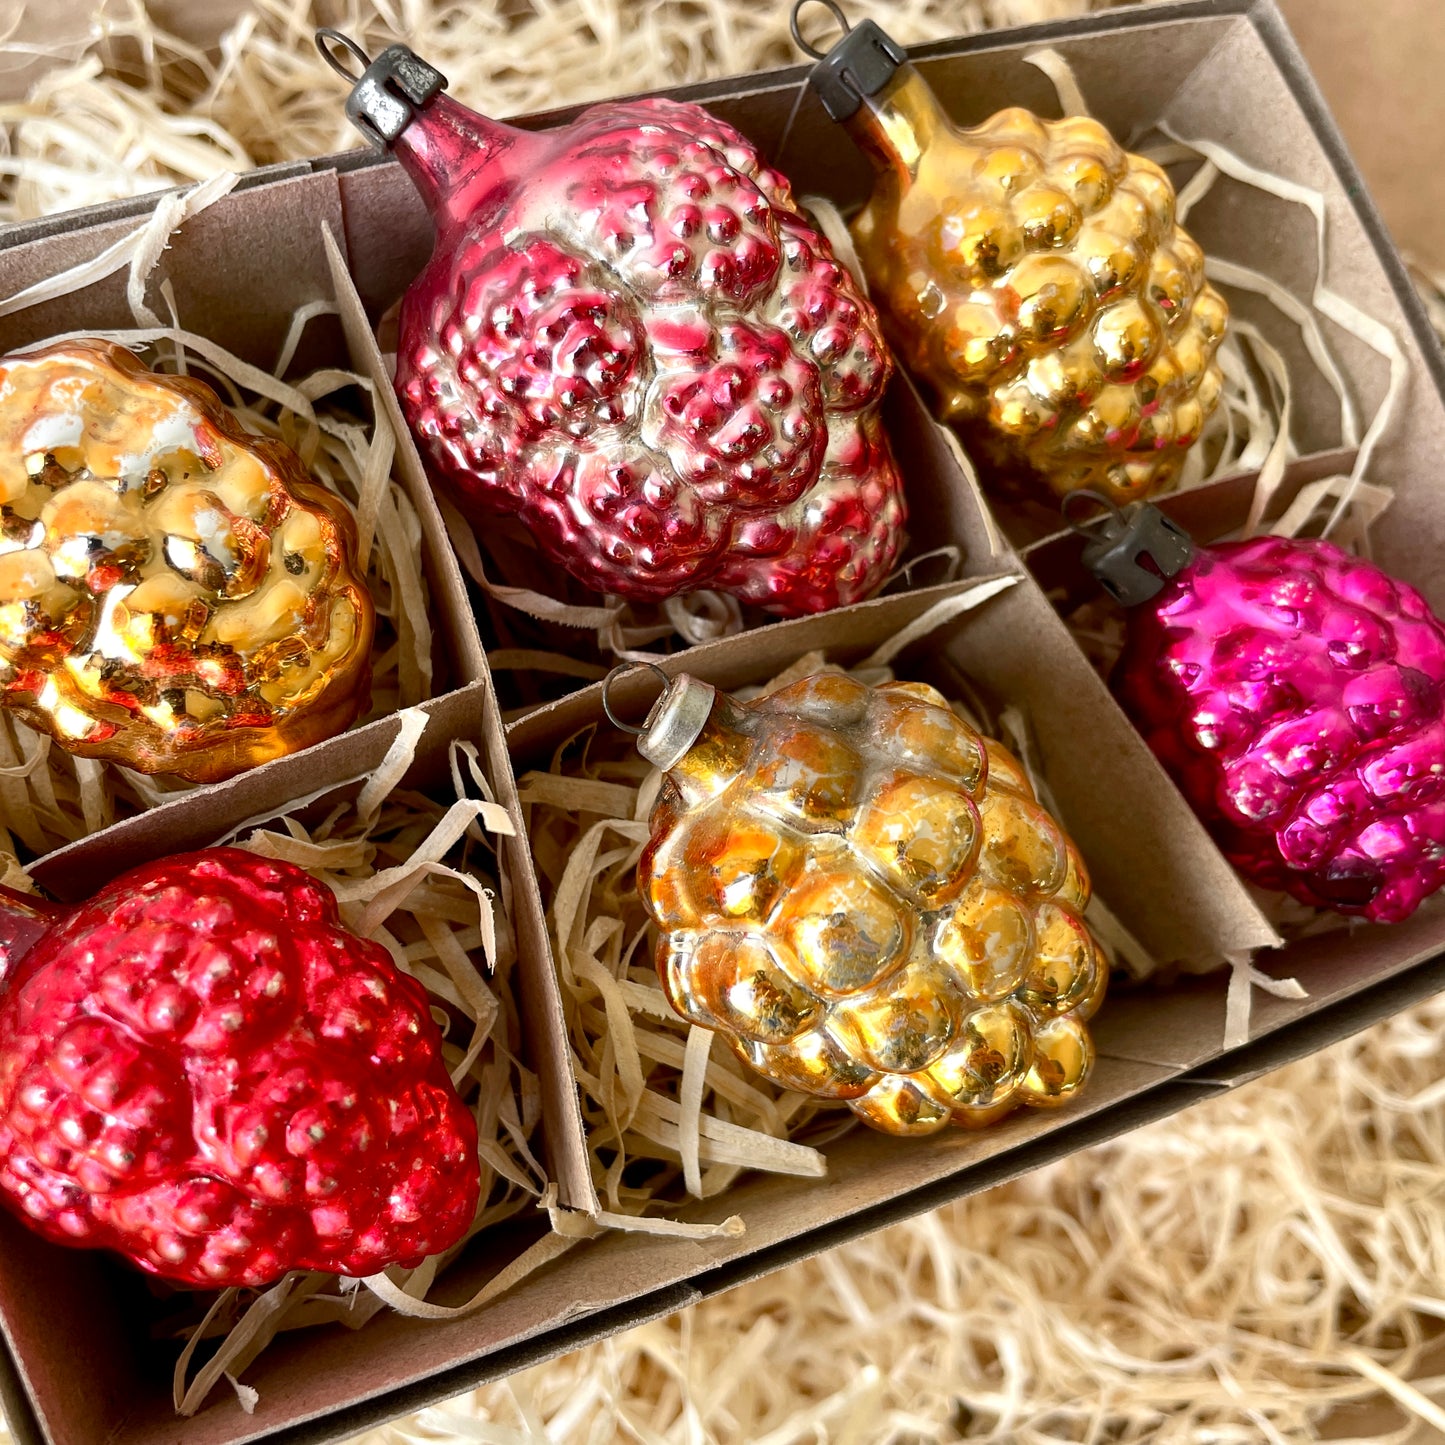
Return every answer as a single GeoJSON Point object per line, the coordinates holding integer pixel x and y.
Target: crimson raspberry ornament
{"type": "Point", "coordinates": [1032, 274]}
{"type": "Point", "coordinates": [630, 337]}
{"type": "Point", "coordinates": [1296, 695]}
{"type": "Point", "coordinates": [202, 1070]}
{"type": "Point", "coordinates": [864, 898]}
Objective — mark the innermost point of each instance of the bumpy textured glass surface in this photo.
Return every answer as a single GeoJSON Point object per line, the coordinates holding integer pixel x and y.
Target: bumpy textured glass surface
{"type": "Point", "coordinates": [201, 1069]}
{"type": "Point", "coordinates": [1295, 693]}
{"type": "Point", "coordinates": [631, 338]}
{"type": "Point", "coordinates": [1031, 273]}
{"type": "Point", "coordinates": [862, 895]}
{"type": "Point", "coordinates": [175, 595]}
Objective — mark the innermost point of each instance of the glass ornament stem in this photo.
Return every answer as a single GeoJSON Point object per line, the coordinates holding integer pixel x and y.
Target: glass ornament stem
{"type": "Point", "coordinates": [896, 126]}
{"type": "Point", "coordinates": [457, 159]}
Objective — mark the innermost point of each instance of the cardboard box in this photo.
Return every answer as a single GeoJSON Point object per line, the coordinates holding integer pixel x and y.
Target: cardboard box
{"type": "Point", "coordinates": [78, 1366]}
{"type": "Point", "coordinates": [1379, 67]}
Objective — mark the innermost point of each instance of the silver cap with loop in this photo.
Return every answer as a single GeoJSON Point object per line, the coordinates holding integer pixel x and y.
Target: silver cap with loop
{"type": "Point", "coordinates": [386, 93]}
{"type": "Point", "coordinates": [674, 722]}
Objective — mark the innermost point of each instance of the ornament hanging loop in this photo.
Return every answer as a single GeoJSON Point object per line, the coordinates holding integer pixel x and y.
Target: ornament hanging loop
{"type": "Point", "coordinates": [326, 38]}
{"type": "Point", "coordinates": [832, 6]}
{"type": "Point", "coordinates": [1085, 527]}
{"type": "Point", "coordinates": [621, 670]}
{"type": "Point", "coordinates": [387, 93]}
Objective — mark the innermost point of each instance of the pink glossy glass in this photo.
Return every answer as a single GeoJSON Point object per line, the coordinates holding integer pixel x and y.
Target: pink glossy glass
{"type": "Point", "coordinates": [1294, 692]}
{"type": "Point", "coordinates": [630, 337]}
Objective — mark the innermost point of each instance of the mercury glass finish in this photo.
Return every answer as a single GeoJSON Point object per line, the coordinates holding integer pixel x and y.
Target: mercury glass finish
{"type": "Point", "coordinates": [175, 594]}
{"type": "Point", "coordinates": [1296, 693]}
{"type": "Point", "coordinates": [631, 337]}
{"type": "Point", "coordinates": [863, 896]}
{"type": "Point", "coordinates": [1031, 273]}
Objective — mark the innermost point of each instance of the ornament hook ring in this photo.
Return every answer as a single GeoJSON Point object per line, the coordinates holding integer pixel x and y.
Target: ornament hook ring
{"type": "Point", "coordinates": [621, 670]}
{"type": "Point", "coordinates": [326, 37]}
{"type": "Point", "coordinates": [1068, 508]}
{"type": "Point", "coordinates": [806, 47]}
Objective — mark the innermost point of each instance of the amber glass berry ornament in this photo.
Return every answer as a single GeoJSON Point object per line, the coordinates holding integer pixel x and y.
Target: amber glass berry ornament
{"type": "Point", "coordinates": [1032, 275]}
{"type": "Point", "coordinates": [203, 1070]}
{"type": "Point", "coordinates": [175, 594]}
{"type": "Point", "coordinates": [1296, 694]}
{"type": "Point", "coordinates": [629, 337]}
{"type": "Point", "coordinates": [862, 895]}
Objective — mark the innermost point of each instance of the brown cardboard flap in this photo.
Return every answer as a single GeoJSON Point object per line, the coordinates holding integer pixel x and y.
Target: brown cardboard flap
{"type": "Point", "coordinates": [239, 270]}
{"type": "Point", "coordinates": [1380, 66]}
{"type": "Point", "coordinates": [541, 1000]}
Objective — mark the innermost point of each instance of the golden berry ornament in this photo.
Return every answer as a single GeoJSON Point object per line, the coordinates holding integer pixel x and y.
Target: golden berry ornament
{"type": "Point", "coordinates": [175, 594]}
{"type": "Point", "coordinates": [1033, 276]}
{"type": "Point", "coordinates": [862, 895]}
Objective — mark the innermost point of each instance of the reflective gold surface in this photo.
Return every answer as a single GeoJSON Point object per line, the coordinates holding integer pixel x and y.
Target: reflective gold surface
{"type": "Point", "coordinates": [864, 897]}
{"type": "Point", "coordinates": [175, 595]}
{"type": "Point", "coordinates": [1032, 275]}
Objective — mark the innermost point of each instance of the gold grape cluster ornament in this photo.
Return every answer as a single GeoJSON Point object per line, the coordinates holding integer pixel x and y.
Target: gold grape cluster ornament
{"type": "Point", "coordinates": [862, 895]}
{"type": "Point", "coordinates": [176, 594]}
{"type": "Point", "coordinates": [1034, 277]}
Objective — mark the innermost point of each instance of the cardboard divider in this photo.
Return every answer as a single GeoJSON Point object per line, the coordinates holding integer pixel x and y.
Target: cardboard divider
{"type": "Point", "coordinates": [335, 768]}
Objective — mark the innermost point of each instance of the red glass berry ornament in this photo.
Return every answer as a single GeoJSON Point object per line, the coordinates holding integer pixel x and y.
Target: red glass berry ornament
{"type": "Point", "coordinates": [629, 336]}
{"type": "Point", "coordinates": [1296, 694]}
{"type": "Point", "coordinates": [202, 1069]}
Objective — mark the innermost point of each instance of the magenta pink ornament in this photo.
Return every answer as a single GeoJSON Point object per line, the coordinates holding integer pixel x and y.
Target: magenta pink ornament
{"type": "Point", "coordinates": [630, 337]}
{"type": "Point", "coordinates": [1294, 693]}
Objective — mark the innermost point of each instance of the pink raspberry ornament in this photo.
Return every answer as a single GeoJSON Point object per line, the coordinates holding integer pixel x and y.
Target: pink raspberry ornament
{"type": "Point", "coordinates": [629, 337]}
{"type": "Point", "coordinates": [1296, 695]}
{"type": "Point", "coordinates": [201, 1069]}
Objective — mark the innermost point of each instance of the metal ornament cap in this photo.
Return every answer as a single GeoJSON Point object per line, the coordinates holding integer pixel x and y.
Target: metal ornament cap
{"type": "Point", "coordinates": [388, 93]}
{"type": "Point", "coordinates": [858, 65]}
{"type": "Point", "coordinates": [1132, 554]}
{"type": "Point", "coordinates": [675, 722]}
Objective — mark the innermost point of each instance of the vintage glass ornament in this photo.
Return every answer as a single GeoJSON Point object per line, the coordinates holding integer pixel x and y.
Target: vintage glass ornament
{"type": "Point", "coordinates": [203, 1070]}
{"type": "Point", "coordinates": [175, 594]}
{"type": "Point", "coordinates": [862, 895]}
{"type": "Point", "coordinates": [630, 337]}
{"type": "Point", "coordinates": [1032, 274]}
{"type": "Point", "coordinates": [1296, 695]}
